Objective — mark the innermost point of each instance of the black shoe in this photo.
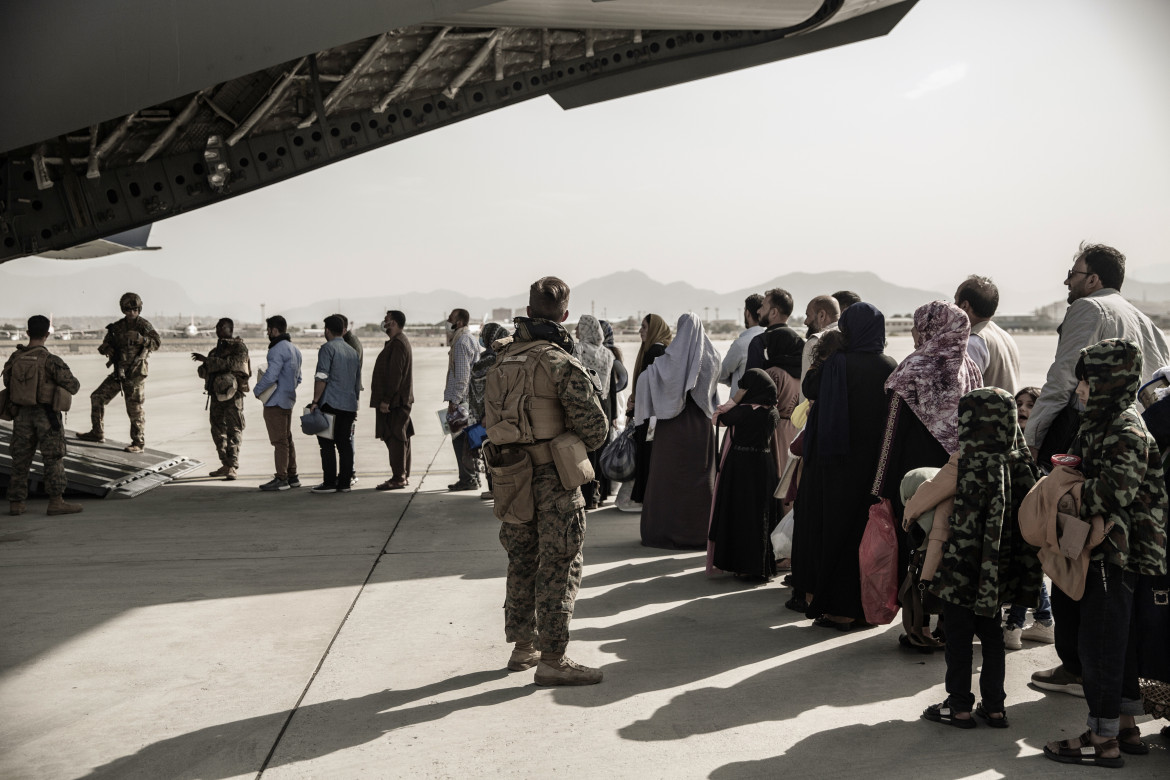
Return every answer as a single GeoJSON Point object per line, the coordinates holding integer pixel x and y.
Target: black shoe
{"type": "Point", "coordinates": [456, 487]}
{"type": "Point", "coordinates": [294, 481]}
{"type": "Point", "coordinates": [343, 488]}
{"type": "Point", "coordinates": [324, 488]}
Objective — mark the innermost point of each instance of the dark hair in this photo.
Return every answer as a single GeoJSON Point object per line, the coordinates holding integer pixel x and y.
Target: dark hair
{"type": "Point", "coordinates": [781, 299]}
{"type": "Point", "coordinates": [226, 321]}
{"type": "Point", "coordinates": [1032, 391]}
{"type": "Point", "coordinates": [981, 293]}
{"type": "Point", "coordinates": [461, 315]}
{"type": "Point", "coordinates": [38, 326]}
{"type": "Point", "coordinates": [846, 298]}
{"type": "Point", "coordinates": [831, 342]}
{"type": "Point", "coordinates": [344, 321]}
{"type": "Point", "coordinates": [548, 298]}
{"type": "Point", "coordinates": [334, 324]}
{"type": "Point", "coordinates": [397, 317]}
{"type": "Point", "coordinates": [752, 304]}
{"type": "Point", "coordinates": [1105, 261]}
{"type": "Point", "coordinates": [278, 322]}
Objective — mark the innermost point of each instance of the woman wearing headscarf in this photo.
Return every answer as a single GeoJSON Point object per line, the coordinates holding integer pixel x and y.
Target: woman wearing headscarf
{"type": "Point", "coordinates": [619, 377]}
{"type": "Point", "coordinates": [591, 351]}
{"type": "Point", "coordinates": [841, 448]}
{"type": "Point", "coordinates": [656, 336]}
{"type": "Point", "coordinates": [491, 333]}
{"type": "Point", "coordinates": [922, 419]}
{"type": "Point", "coordinates": [678, 391]}
{"type": "Point", "coordinates": [783, 353]}
{"type": "Point", "coordinates": [744, 512]}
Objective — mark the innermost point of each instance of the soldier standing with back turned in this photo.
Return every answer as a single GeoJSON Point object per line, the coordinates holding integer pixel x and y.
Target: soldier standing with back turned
{"type": "Point", "coordinates": [33, 377]}
{"type": "Point", "coordinates": [127, 344]}
{"type": "Point", "coordinates": [225, 371]}
{"type": "Point", "coordinates": [538, 398]}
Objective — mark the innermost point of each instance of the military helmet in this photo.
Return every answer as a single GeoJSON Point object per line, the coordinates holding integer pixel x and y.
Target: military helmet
{"type": "Point", "coordinates": [130, 301]}
{"type": "Point", "coordinates": [224, 387]}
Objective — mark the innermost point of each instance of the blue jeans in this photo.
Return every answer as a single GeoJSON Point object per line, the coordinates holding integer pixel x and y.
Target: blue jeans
{"type": "Point", "coordinates": [1108, 670]}
{"type": "Point", "coordinates": [962, 625]}
{"type": "Point", "coordinates": [1018, 613]}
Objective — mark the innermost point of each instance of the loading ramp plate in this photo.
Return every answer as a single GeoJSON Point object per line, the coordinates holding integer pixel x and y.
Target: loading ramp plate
{"type": "Point", "coordinates": [102, 469]}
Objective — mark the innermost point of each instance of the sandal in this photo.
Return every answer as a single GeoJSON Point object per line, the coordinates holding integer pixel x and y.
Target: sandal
{"type": "Point", "coordinates": [942, 713]}
{"type": "Point", "coordinates": [1081, 750]}
{"type": "Point", "coordinates": [996, 723]}
{"type": "Point", "coordinates": [1130, 741]}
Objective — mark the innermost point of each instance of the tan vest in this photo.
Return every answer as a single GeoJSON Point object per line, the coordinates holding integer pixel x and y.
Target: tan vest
{"type": "Point", "coordinates": [29, 383]}
{"type": "Point", "coordinates": [521, 404]}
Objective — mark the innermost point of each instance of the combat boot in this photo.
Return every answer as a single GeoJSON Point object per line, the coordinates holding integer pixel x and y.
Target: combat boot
{"type": "Point", "coordinates": [231, 473]}
{"type": "Point", "coordinates": [15, 508]}
{"type": "Point", "coordinates": [58, 506]}
{"type": "Point", "coordinates": [563, 671]}
{"type": "Point", "coordinates": [524, 656]}
{"type": "Point", "coordinates": [94, 436]}
{"type": "Point", "coordinates": [135, 447]}
{"type": "Point", "coordinates": [222, 471]}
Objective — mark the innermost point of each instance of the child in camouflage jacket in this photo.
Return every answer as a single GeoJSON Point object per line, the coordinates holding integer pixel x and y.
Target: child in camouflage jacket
{"type": "Point", "coordinates": [986, 563]}
{"type": "Point", "coordinates": [1124, 499]}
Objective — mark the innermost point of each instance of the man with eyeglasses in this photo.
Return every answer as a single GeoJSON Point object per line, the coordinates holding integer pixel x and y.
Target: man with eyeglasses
{"type": "Point", "coordinates": [1097, 311]}
{"type": "Point", "coordinates": [127, 345]}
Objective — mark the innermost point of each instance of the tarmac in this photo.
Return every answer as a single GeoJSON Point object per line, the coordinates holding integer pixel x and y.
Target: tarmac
{"type": "Point", "coordinates": [209, 630]}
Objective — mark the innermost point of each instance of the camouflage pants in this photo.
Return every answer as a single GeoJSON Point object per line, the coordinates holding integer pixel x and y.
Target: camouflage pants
{"type": "Point", "coordinates": [134, 391]}
{"type": "Point", "coordinates": [32, 430]}
{"type": "Point", "coordinates": [227, 429]}
{"type": "Point", "coordinates": [544, 565]}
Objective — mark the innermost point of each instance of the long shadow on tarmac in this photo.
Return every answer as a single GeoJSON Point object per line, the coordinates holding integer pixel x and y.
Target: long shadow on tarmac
{"type": "Point", "coordinates": [223, 750]}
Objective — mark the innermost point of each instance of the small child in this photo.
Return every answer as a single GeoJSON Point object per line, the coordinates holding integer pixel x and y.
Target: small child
{"type": "Point", "coordinates": [1014, 630]}
{"type": "Point", "coordinates": [986, 563]}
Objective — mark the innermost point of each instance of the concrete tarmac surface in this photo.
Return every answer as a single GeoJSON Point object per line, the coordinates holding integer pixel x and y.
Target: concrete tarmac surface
{"type": "Point", "coordinates": [209, 630]}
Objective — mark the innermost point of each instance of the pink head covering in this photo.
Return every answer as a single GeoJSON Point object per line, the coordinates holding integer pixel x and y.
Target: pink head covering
{"type": "Point", "coordinates": [934, 376]}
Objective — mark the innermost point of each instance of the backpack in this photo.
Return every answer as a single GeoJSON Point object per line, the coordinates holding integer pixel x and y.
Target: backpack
{"type": "Point", "coordinates": [24, 381]}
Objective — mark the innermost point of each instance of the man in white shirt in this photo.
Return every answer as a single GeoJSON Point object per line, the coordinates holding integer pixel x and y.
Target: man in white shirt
{"type": "Point", "coordinates": [990, 346]}
{"type": "Point", "coordinates": [735, 362]}
{"type": "Point", "coordinates": [820, 317]}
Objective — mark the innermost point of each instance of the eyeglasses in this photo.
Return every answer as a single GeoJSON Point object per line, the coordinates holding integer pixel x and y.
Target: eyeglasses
{"type": "Point", "coordinates": [1072, 273]}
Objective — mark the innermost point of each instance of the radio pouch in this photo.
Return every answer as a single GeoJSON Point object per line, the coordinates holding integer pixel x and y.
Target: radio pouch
{"type": "Point", "coordinates": [572, 460]}
{"type": "Point", "coordinates": [511, 470]}
{"type": "Point", "coordinates": [62, 399]}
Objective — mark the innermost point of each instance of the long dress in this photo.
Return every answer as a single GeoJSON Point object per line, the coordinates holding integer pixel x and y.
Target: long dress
{"type": "Point", "coordinates": [676, 506]}
{"type": "Point", "coordinates": [644, 448]}
{"type": "Point", "coordinates": [744, 512]}
{"type": "Point", "coordinates": [840, 507]}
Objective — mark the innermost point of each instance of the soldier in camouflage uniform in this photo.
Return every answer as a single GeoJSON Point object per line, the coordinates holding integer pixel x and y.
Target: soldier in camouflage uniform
{"type": "Point", "coordinates": [986, 563]}
{"type": "Point", "coordinates": [127, 344]}
{"type": "Point", "coordinates": [1124, 499]}
{"type": "Point", "coordinates": [225, 371]}
{"type": "Point", "coordinates": [37, 425]}
{"type": "Point", "coordinates": [544, 555]}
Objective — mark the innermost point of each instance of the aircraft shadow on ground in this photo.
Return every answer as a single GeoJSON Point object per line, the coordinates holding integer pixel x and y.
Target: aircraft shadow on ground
{"type": "Point", "coordinates": [238, 748]}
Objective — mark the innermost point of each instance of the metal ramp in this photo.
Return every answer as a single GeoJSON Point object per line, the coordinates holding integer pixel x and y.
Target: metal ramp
{"type": "Point", "coordinates": [102, 469]}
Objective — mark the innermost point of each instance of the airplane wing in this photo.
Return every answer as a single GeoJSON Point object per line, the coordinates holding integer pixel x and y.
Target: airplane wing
{"type": "Point", "coordinates": [133, 240]}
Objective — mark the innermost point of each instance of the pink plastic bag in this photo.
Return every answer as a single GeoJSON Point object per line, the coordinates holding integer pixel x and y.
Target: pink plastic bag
{"type": "Point", "coordinates": [878, 559]}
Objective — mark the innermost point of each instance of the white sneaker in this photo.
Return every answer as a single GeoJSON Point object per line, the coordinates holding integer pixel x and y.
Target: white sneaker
{"type": "Point", "coordinates": [1038, 632]}
{"type": "Point", "coordinates": [1011, 638]}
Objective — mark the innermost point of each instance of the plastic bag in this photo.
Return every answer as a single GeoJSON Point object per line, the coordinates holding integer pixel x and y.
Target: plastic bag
{"type": "Point", "coordinates": [782, 537]}
{"type": "Point", "coordinates": [878, 561]}
{"type": "Point", "coordinates": [618, 458]}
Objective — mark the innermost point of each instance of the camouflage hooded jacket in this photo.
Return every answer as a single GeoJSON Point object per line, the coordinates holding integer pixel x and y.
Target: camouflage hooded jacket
{"type": "Point", "coordinates": [986, 562]}
{"type": "Point", "coordinates": [1124, 481]}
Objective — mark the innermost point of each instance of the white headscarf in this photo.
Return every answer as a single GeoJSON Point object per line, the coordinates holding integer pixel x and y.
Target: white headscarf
{"type": "Point", "coordinates": [690, 365]}
{"type": "Point", "coordinates": [591, 350]}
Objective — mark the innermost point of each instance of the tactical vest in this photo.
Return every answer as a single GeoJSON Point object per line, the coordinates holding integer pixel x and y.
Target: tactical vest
{"type": "Point", "coordinates": [521, 404]}
{"type": "Point", "coordinates": [29, 383]}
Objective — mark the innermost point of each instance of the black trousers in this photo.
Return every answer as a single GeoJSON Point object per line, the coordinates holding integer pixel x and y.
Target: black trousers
{"type": "Point", "coordinates": [340, 447]}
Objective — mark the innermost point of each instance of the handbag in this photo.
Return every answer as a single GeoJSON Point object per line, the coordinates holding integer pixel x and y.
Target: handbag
{"type": "Point", "coordinates": [619, 458]}
{"type": "Point", "coordinates": [314, 421]}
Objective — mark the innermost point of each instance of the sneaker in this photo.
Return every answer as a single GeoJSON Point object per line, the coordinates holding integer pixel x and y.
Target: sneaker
{"type": "Point", "coordinates": [275, 484]}
{"type": "Point", "coordinates": [455, 487]}
{"type": "Point", "coordinates": [566, 672]}
{"type": "Point", "coordinates": [1011, 638]}
{"type": "Point", "coordinates": [523, 658]}
{"type": "Point", "coordinates": [294, 481]}
{"type": "Point", "coordinates": [343, 488]}
{"type": "Point", "coordinates": [323, 488]}
{"type": "Point", "coordinates": [353, 480]}
{"type": "Point", "coordinates": [1038, 632]}
{"type": "Point", "coordinates": [94, 436]}
{"type": "Point", "coordinates": [1060, 680]}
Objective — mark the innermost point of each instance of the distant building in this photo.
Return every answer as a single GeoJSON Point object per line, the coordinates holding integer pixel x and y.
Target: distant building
{"type": "Point", "coordinates": [502, 315]}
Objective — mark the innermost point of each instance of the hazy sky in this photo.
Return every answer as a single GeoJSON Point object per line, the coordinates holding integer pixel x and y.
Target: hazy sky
{"type": "Point", "coordinates": [982, 136]}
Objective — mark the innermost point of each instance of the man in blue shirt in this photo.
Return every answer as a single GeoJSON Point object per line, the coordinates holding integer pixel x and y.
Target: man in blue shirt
{"type": "Point", "coordinates": [335, 392]}
{"type": "Point", "coordinates": [282, 377]}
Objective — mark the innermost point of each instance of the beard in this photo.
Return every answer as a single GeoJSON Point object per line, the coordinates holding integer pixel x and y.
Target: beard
{"type": "Point", "coordinates": [811, 331]}
{"type": "Point", "coordinates": [764, 321]}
